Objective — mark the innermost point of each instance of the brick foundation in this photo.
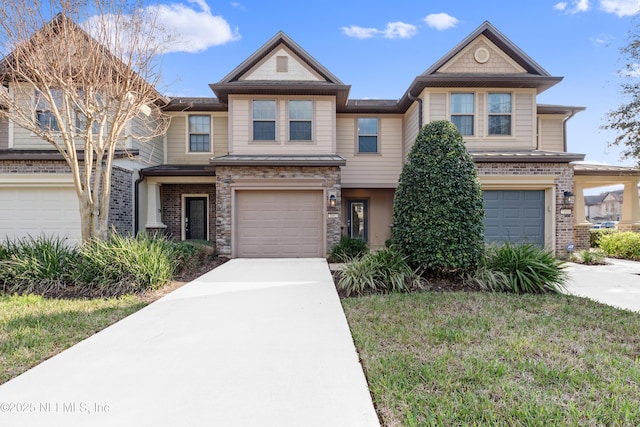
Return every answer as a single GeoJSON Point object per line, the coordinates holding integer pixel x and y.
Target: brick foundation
{"type": "Point", "coordinates": [582, 236]}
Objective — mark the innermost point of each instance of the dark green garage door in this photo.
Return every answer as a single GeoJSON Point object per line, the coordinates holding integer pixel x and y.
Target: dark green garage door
{"type": "Point", "coordinates": [514, 216]}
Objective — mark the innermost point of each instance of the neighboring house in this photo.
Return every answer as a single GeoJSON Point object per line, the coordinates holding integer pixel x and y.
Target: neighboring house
{"type": "Point", "coordinates": [281, 163]}
{"type": "Point", "coordinates": [604, 206]}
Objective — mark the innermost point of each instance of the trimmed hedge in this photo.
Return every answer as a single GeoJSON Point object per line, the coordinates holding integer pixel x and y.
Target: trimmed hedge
{"type": "Point", "coordinates": [625, 245]}
{"type": "Point", "coordinates": [438, 206]}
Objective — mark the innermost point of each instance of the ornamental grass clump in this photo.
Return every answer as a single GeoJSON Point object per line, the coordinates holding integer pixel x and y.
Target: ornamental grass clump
{"type": "Point", "coordinates": [520, 268]}
{"type": "Point", "coordinates": [385, 270]}
{"type": "Point", "coordinates": [37, 264]}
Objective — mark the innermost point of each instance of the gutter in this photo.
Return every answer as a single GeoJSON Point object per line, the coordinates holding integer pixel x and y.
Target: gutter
{"type": "Point", "coordinates": [564, 128]}
{"type": "Point", "coordinates": [136, 202]}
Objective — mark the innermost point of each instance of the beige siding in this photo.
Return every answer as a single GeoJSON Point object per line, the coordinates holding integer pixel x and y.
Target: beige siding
{"type": "Point", "coordinates": [371, 170]}
{"type": "Point", "coordinates": [4, 134]}
{"type": "Point", "coordinates": [411, 122]}
{"type": "Point", "coordinates": [380, 215]}
{"type": "Point", "coordinates": [322, 127]}
{"type": "Point", "coordinates": [470, 60]}
{"type": "Point", "coordinates": [437, 107]}
{"type": "Point", "coordinates": [297, 70]}
{"type": "Point", "coordinates": [152, 150]}
{"type": "Point", "coordinates": [177, 140]}
{"type": "Point", "coordinates": [551, 133]}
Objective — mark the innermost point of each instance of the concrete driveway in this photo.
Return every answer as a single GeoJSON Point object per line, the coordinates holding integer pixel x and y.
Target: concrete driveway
{"type": "Point", "coordinates": [251, 343]}
{"type": "Point", "coordinates": [616, 284]}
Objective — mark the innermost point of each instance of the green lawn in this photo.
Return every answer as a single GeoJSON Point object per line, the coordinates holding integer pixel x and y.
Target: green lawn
{"type": "Point", "coordinates": [475, 358]}
{"type": "Point", "coordinates": [33, 328]}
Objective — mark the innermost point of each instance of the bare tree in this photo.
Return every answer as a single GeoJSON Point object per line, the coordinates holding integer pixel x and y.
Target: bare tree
{"type": "Point", "coordinates": [81, 75]}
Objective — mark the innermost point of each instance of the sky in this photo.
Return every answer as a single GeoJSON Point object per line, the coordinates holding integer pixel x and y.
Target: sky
{"type": "Point", "coordinates": [379, 47]}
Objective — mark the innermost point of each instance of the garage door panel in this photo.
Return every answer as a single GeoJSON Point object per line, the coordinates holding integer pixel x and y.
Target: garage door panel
{"type": "Point", "coordinates": [274, 223]}
{"type": "Point", "coordinates": [35, 211]}
{"type": "Point", "coordinates": [514, 216]}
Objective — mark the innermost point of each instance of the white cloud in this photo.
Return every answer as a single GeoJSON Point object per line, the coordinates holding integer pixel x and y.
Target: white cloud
{"type": "Point", "coordinates": [187, 29]}
{"type": "Point", "coordinates": [194, 30]}
{"type": "Point", "coordinates": [393, 30]}
{"type": "Point", "coordinates": [560, 6]}
{"type": "Point", "coordinates": [238, 5]}
{"type": "Point", "coordinates": [621, 7]}
{"type": "Point", "coordinates": [602, 39]}
{"type": "Point", "coordinates": [440, 21]}
{"type": "Point", "coordinates": [576, 6]}
{"type": "Point", "coordinates": [632, 70]}
{"type": "Point", "coordinates": [359, 32]}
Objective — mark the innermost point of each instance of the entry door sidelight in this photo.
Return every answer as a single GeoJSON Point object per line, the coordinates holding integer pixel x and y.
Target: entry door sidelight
{"type": "Point", "coordinates": [358, 218]}
{"type": "Point", "coordinates": [195, 222]}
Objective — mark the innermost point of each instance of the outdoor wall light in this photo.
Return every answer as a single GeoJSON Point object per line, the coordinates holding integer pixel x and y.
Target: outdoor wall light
{"type": "Point", "coordinates": [332, 201]}
{"type": "Point", "coordinates": [569, 198]}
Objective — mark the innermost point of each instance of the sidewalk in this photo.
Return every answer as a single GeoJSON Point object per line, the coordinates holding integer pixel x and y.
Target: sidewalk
{"type": "Point", "coordinates": [616, 284]}
{"type": "Point", "coordinates": [252, 343]}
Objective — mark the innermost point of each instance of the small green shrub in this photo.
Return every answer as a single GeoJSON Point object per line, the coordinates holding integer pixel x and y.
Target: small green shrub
{"type": "Point", "coordinates": [521, 269]}
{"type": "Point", "coordinates": [625, 245]}
{"type": "Point", "coordinates": [348, 248]}
{"type": "Point", "coordinates": [596, 235]}
{"type": "Point", "coordinates": [189, 254]}
{"type": "Point", "coordinates": [589, 257]}
{"type": "Point", "coordinates": [386, 270]}
{"type": "Point", "coordinates": [123, 264]}
{"type": "Point", "coordinates": [37, 264]}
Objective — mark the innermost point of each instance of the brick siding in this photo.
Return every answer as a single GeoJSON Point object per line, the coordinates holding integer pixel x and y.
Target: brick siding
{"type": "Point", "coordinates": [171, 200]}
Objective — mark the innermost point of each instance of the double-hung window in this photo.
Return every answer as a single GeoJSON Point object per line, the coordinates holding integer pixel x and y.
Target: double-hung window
{"type": "Point", "coordinates": [367, 135]}
{"type": "Point", "coordinates": [300, 119]}
{"type": "Point", "coordinates": [264, 120]}
{"type": "Point", "coordinates": [44, 114]}
{"type": "Point", "coordinates": [462, 112]}
{"type": "Point", "coordinates": [199, 134]}
{"type": "Point", "coordinates": [499, 110]}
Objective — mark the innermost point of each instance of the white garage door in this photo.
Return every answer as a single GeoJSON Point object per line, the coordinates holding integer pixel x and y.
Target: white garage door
{"type": "Point", "coordinates": [271, 224]}
{"type": "Point", "coordinates": [52, 211]}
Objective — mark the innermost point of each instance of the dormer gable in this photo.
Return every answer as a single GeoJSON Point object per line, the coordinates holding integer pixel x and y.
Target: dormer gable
{"type": "Point", "coordinates": [481, 56]}
{"type": "Point", "coordinates": [281, 66]}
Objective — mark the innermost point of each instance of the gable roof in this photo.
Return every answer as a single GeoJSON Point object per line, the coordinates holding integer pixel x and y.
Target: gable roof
{"type": "Point", "coordinates": [534, 76]}
{"type": "Point", "coordinates": [233, 84]}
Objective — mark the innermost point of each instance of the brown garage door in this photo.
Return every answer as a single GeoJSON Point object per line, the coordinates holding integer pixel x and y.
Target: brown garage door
{"type": "Point", "coordinates": [271, 224]}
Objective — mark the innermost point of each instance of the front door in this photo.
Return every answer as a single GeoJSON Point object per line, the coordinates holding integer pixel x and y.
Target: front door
{"type": "Point", "coordinates": [357, 220]}
{"type": "Point", "coordinates": [195, 222]}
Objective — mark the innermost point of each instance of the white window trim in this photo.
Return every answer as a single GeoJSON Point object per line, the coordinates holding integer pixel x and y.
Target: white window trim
{"type": "Point", "coordinates": [378, 151]}
{"type": "Point", "coordinates": [511, 135]}
{"type": "Point", "coordinates": [475, 110]}
{"type": "Point", "coordinates": [187, 132]}
{"type": "Point", "coordinates": [275, 120]}
{"type": "Point", "coordinates": [289, 120]}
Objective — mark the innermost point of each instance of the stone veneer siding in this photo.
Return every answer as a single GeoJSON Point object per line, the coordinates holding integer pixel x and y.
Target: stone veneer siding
{"type": "Point", "coordinates": [226, 176]}
{"type": "Point", "coordinates": [563, 173]}
{"type": "Point", "coordinates": [171, 196]}
{"type": "Point", "coordinates": [121, 197]}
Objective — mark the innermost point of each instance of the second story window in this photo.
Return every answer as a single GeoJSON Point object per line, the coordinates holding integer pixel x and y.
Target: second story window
{"type": "Point", "coordinates": [300, 118]}
{"type": "Point", "coordinates": [499, 109]}
{"type": "Point", "coordinates": [264, 120]}
{"type": "Point", "coordinates": [367, 135]}
{"type": "Point", "coordinates": [44, 115]}
{"type": "Point", "coordinates": [462, 112]}
{"type": "Point", "coordinates": [199, 134]}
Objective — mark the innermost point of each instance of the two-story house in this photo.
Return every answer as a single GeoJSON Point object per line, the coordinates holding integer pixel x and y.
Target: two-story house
{"type": "Point", "coordinates": [281, 163]}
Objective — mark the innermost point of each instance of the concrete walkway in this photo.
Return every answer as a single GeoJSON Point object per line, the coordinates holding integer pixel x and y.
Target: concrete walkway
{"type": "Point", "coordinates": [251, 343]}
{"type": "Point", "coordinates": [616, 284]}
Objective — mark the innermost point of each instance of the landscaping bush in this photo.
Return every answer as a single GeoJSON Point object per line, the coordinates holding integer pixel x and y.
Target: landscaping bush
{"type": "Point", "coordinates": [347, 249]}
{"type": "Point", "coordinates": [624, 245]}
{"type": "Point", "coordinates": [123, 264]}
{"type": "Point", "coordinates": [190, 254]}
{"type": "Point", "coordinates": [596, 235]}
{"type": "Point", "coordinates": [386, 270]}
{"type": "Point", "coordinates": [37, 264]}
{"type": "Point", "coordinates": [522, 268]}
{"type": "Point", "coordinates": [589, 257]}
{"type": "Point", "coordinates": [438, 206]}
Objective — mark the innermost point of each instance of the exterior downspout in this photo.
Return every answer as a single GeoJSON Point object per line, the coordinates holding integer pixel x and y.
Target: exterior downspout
{"type": "Point", "coordinates": [136, 202]}
{"type": "Point", "coordinates": [419, 100]}
{"type": "Point", "coordinates": [564, 130]}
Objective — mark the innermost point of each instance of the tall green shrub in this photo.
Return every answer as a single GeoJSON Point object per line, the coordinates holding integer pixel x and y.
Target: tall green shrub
{"type": "Point", "coordinates": [438, 206]}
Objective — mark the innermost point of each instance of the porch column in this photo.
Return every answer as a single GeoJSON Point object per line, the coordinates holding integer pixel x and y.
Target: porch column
{"type": "Point", "coordinates": [154, 213]}
{"type": "Point", "coordinates": [630, 219]}
{"type": "Point", "coordinates": [579, 212]}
